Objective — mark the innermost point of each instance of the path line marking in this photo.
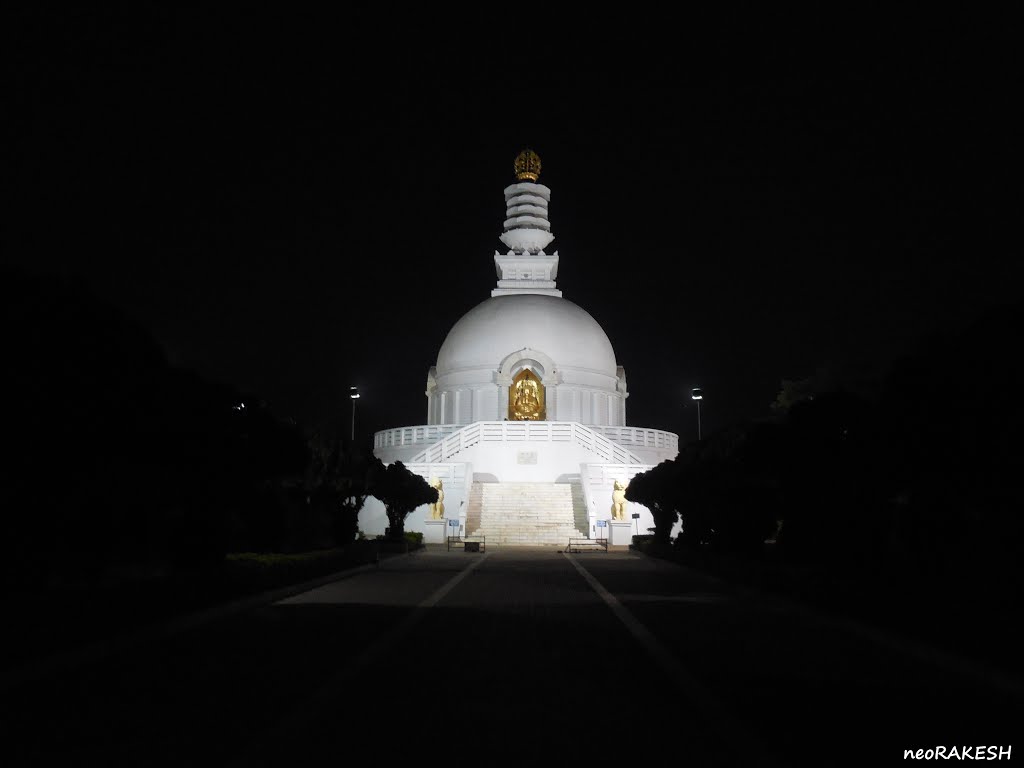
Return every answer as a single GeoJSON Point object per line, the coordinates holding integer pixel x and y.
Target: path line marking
{"type": "Point", "coordinates": [329, 687]}
{"type": "Point", "coordinates": [698, 695]}
{"type": "Point", "coordinates": [392, 636]}
{"type": "Point", "coordinates": [99, 650]}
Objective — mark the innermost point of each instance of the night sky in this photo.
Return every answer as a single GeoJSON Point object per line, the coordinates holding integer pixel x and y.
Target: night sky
{"type": "Point", "coordinates": [295, 204]}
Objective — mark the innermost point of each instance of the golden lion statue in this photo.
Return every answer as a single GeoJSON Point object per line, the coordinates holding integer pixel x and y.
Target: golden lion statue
{"type": "Point", "coordinates": [619, 501]}
{"type": "Point", "coordinates": [437, 508]}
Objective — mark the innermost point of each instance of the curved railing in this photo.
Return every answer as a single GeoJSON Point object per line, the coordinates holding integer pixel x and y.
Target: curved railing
{"type": "Point", "coordinates": [640, 437]}
{"type": "Point", "coordinates": [428, 434]}
{"type": "Point", "coordinates": [526, 431]}
{"type": "Point", "coordinates": [424, 434]}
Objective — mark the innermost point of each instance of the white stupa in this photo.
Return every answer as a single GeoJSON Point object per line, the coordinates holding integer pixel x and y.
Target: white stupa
{"type": "Point", "coordinates": [526, 406]}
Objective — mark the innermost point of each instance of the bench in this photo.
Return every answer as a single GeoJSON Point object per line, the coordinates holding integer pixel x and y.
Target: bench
{"type": "Point", "coordinates": [587, 545]}
{"type": "Point", "coordinates": [468, 543]}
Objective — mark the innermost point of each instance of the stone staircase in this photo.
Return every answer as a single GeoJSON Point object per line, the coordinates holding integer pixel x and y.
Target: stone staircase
{"type": "Point", "coordinates": [526, 514]}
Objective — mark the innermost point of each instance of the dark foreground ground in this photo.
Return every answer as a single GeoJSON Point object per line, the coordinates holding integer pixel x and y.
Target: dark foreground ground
{"type": "Point", "coordinates": [508, 656]}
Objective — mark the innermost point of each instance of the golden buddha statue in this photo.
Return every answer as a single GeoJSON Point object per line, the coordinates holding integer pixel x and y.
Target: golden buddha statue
{"type": "Point", "coordinates": [526, 398]}
{"type": "Point", "coordinates": [527, 404]}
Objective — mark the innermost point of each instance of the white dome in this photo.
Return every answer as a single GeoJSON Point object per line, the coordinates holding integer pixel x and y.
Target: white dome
{"type": "Point", "coordinates": [501, 325]}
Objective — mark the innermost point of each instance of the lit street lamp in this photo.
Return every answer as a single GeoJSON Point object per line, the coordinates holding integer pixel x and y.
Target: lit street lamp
{"type": "Point", "coordinates": [354, 394]}
{"type": "Point", "coordinates": [697, 395]}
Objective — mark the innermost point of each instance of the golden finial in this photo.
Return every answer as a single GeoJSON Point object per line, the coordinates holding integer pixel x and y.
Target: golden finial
{"type": "Point", "coordinates": [527, 165]}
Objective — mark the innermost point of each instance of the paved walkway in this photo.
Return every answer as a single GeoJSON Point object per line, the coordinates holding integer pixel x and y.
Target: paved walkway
{"type": "Point", "coordinates": [512, 655]}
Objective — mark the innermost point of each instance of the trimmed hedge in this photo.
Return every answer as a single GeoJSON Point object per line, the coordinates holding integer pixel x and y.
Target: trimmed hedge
{"type": "Point", "coordinates": [409, 542]}
{"type": "Point", "coordinates": [269, 570]}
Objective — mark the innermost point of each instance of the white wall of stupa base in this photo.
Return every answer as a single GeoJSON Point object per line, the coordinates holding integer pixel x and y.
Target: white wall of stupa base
{"type": "Point", "coordinates": [455, 477]}
{"type": "Point", "coordinates": [596, 479]}
{"type": "Point", "coordinates": [598, 482]}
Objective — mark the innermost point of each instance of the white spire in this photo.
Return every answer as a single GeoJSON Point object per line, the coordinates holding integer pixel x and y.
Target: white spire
{"type": "Point", "coordinates": [526, 268]}
{"type": "Point", "coordinates": [527, 229]}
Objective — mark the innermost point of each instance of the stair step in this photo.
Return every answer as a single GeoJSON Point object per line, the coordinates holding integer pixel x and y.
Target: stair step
{"type": "Point", "coordinates": [526, 513]}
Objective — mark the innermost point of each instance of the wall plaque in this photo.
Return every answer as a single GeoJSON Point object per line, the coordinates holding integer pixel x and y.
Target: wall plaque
{"type": "Point", "coordinates": [526, 457]}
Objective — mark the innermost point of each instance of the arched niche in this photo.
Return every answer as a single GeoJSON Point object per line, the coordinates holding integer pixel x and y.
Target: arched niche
{"type": "Point", "coordinates": [542, 365]}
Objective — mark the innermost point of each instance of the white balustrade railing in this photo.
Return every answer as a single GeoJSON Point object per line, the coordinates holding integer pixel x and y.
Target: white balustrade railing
{"type": "Point", "coordinates": [425, 434]}
{"type": "Point", "coordinates": [526, 431]}
{"type": "Point", "coordinates": [640, 437]}
{"type": "Point", "coordinates": [428, 434]}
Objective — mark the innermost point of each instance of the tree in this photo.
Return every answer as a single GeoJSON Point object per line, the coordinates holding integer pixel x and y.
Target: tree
{"type": "Point", "coordinates": [857, 376]}
{"type": "Point", "coordinates": [830, 478]}
{"type": "Point", "coordinates": [400, 491]}
{"type": "Point", "coordinates": [728, 490]}
{"type": "Point", "coordinates": [954, 449]}
{"type": "Point", "coordinates": [338, 482]}
{"type": "Point", "coordinates": [656, 490]}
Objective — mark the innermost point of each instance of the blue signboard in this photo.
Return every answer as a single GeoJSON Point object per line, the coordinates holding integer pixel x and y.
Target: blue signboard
{"type": "Point", "coordinates": [602, 523]}
{"type": "Point", "coordinates": [453, 523]}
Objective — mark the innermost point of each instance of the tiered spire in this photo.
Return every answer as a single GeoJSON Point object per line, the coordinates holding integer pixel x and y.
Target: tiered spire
{"type": "Point", "coordinates": [526, 268]}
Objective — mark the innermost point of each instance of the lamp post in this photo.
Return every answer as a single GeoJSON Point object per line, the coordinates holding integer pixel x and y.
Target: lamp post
{"type": "Point", "coordinates": [353, 393]}
{"type": "Point", "coordinates": [697, 395]}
